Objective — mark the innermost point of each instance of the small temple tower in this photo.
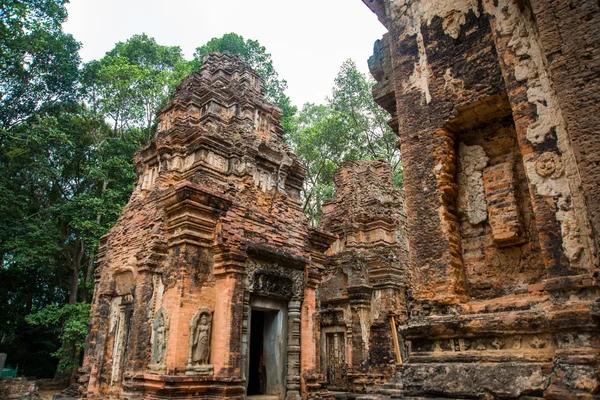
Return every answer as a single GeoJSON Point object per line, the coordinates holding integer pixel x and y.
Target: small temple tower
{"type": "Point", "coordinates": [364, 289]}
{"type": "Point", "coordinates": [206, 285]}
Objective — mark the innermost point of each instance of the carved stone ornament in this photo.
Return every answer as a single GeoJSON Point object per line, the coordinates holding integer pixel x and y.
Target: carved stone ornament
{"type": "Point", "coordinates": [274, 285]}
{"type": "Point", "coordinates": [517, 342]}
{"type": "Point", "coordinates": [537, 343]}
{"type": "Point", "coordinates": [200, 333]}
{"type": "Point", "coordinates": [549, 165]}
{"type": "Point", "coordinates": [498, 343]}
{"type": "Point", "coordinates": [332, 318]}
{"type": "Point", "coordinates": [480, 346]}
{"type": "Point", "coordinates": [274, 280]}
{"type": "Point", "coordinates": [160, 333]}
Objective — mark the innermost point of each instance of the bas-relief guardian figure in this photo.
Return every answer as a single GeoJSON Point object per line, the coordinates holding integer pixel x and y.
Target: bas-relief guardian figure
{"type": "Point", "coordinates": [200, 331]}
{"type": "Point", "coordinates": [159, 342]}
{"type": "Point", "coordinates": [201, 343]}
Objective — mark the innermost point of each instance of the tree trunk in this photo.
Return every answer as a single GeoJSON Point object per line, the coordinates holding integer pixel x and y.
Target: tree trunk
{"type": "Point", "coordinates": [74, 283]}
{"type": "Point", "coordinates": [75, 268]}
{"type": "Point", "coordinates": [90, 266]}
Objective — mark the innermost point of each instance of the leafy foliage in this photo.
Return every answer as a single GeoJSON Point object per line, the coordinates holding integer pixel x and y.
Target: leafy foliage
{"type": "Point", "coordinates": [71, 323]}
{"type": "Point", "coordinates": [349, 127]}
{"type": "Point", "coordinates": [133, 81]}
{"type": "Point", "coordinates": [38, 61]}
{"type": "Point", "coordinates": [63, 181]}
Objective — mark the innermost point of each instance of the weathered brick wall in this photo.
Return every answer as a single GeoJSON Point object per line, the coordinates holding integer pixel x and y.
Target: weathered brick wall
{"type": "Point", "coordinates": [499, 192]}
{"type": "Point", "coordinates": [570, 40]}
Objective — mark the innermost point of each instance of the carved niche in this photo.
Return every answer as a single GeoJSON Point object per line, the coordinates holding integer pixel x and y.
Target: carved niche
{"type": "Point", "coordinates": [160, 333]}
{"type": "Point", "coordinates": [200, 334]}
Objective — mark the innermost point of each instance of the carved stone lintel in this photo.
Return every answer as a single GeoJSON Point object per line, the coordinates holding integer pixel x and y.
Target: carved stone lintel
{"type": "Point", "coordinates": [274, 280]}
{"type": "Point", "coordinates": [273, 285]}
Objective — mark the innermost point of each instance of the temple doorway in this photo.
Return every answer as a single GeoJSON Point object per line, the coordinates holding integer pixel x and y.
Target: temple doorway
{"type": "Point", "coordinates": [267, 350]}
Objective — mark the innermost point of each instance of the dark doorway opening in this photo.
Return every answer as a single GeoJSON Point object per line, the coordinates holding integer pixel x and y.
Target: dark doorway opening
{"type": "Point", "coordinates": [266, 362]}
{"type": "Point", "coordinates": [257, 379]}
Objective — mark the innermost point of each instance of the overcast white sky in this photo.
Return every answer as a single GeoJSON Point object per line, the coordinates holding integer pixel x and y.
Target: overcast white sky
{"type": "Point", "coordinates": [308, 39]}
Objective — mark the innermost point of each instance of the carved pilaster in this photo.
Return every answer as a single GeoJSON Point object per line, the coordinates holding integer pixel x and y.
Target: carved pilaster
{"type": "Point", "coordinates": [293, 351]}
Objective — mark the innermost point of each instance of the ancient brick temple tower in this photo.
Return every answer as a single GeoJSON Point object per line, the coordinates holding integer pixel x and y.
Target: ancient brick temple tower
{"type": "Point", "coordinates": [497, 107]}
{"type": "Point", "coordinates": [363, 292]}
{"type": "Point", "coordinates": [206, 286]}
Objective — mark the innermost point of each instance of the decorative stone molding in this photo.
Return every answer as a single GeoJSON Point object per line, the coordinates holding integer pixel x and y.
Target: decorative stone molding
{"type": "Point", "coordinates": [191, 215]}
{"type": "Point", "coordinates": [509, 343]}
{"type": "Point", "coordinates": [549, 165]}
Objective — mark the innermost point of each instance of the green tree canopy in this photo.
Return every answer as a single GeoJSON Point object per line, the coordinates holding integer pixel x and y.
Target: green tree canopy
{"type": "Point", "coordinates": [38, 61]}
{"type": "Point", "coordinates": [133, 80]}
{"type": "Point", "coordinates": [64, 179]}
{"type": "Point", "coordinates": [349, 127]}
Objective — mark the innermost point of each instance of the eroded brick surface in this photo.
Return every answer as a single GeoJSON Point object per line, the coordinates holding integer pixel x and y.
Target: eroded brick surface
{"type": "Point", "coordinates": [495, 104]}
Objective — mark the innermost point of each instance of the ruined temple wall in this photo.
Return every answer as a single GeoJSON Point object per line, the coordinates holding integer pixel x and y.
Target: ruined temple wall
{"type": "Point", "coordinates": [499, 194]}
{"type": "Point", "coordinates": [432, 78]}
{"type": "Point", "coordinates": [458, 65]}
{"type": "Point", "coordinates": [550, 163]}
{"type": "Point", "coordinates": [570, 39]}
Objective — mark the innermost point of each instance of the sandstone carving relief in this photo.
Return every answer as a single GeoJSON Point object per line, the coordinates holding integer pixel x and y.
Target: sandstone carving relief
{"type": "Point", "coordinates": [160, 331]}
{"type": "Point", "coordinates": [537, 343]}
{"type": "Point", "coordinates": [471, 198]}
{"type": "Point", "coordinates": [274, 279]}
{"type": "Point", "coordinates": [273, 285]}
{"type": "Point", "coordinates": [200, 333]}
{"type": "Point", "coordinates": [507, 343]}
{"type": "Point", "coordinates": [549, 165]}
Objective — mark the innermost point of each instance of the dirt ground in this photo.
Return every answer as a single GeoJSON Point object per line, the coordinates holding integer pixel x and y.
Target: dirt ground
{"type": "Point", "coordinates": [48, 394]}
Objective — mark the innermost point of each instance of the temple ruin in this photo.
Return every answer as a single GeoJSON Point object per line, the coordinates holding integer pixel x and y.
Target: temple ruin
{"type": "Point", "coordinates": [363, 291]}
{"type": "Point", "coordinates": [496, 105]}
{"type": "Point", "coordinates": [478, 279]}
{"type": "Point", "coordinates": [207, 286]}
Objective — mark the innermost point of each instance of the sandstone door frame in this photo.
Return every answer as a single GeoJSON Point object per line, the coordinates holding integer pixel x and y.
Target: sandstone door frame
{"type": "Point", "coordinates": [275, 342]}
